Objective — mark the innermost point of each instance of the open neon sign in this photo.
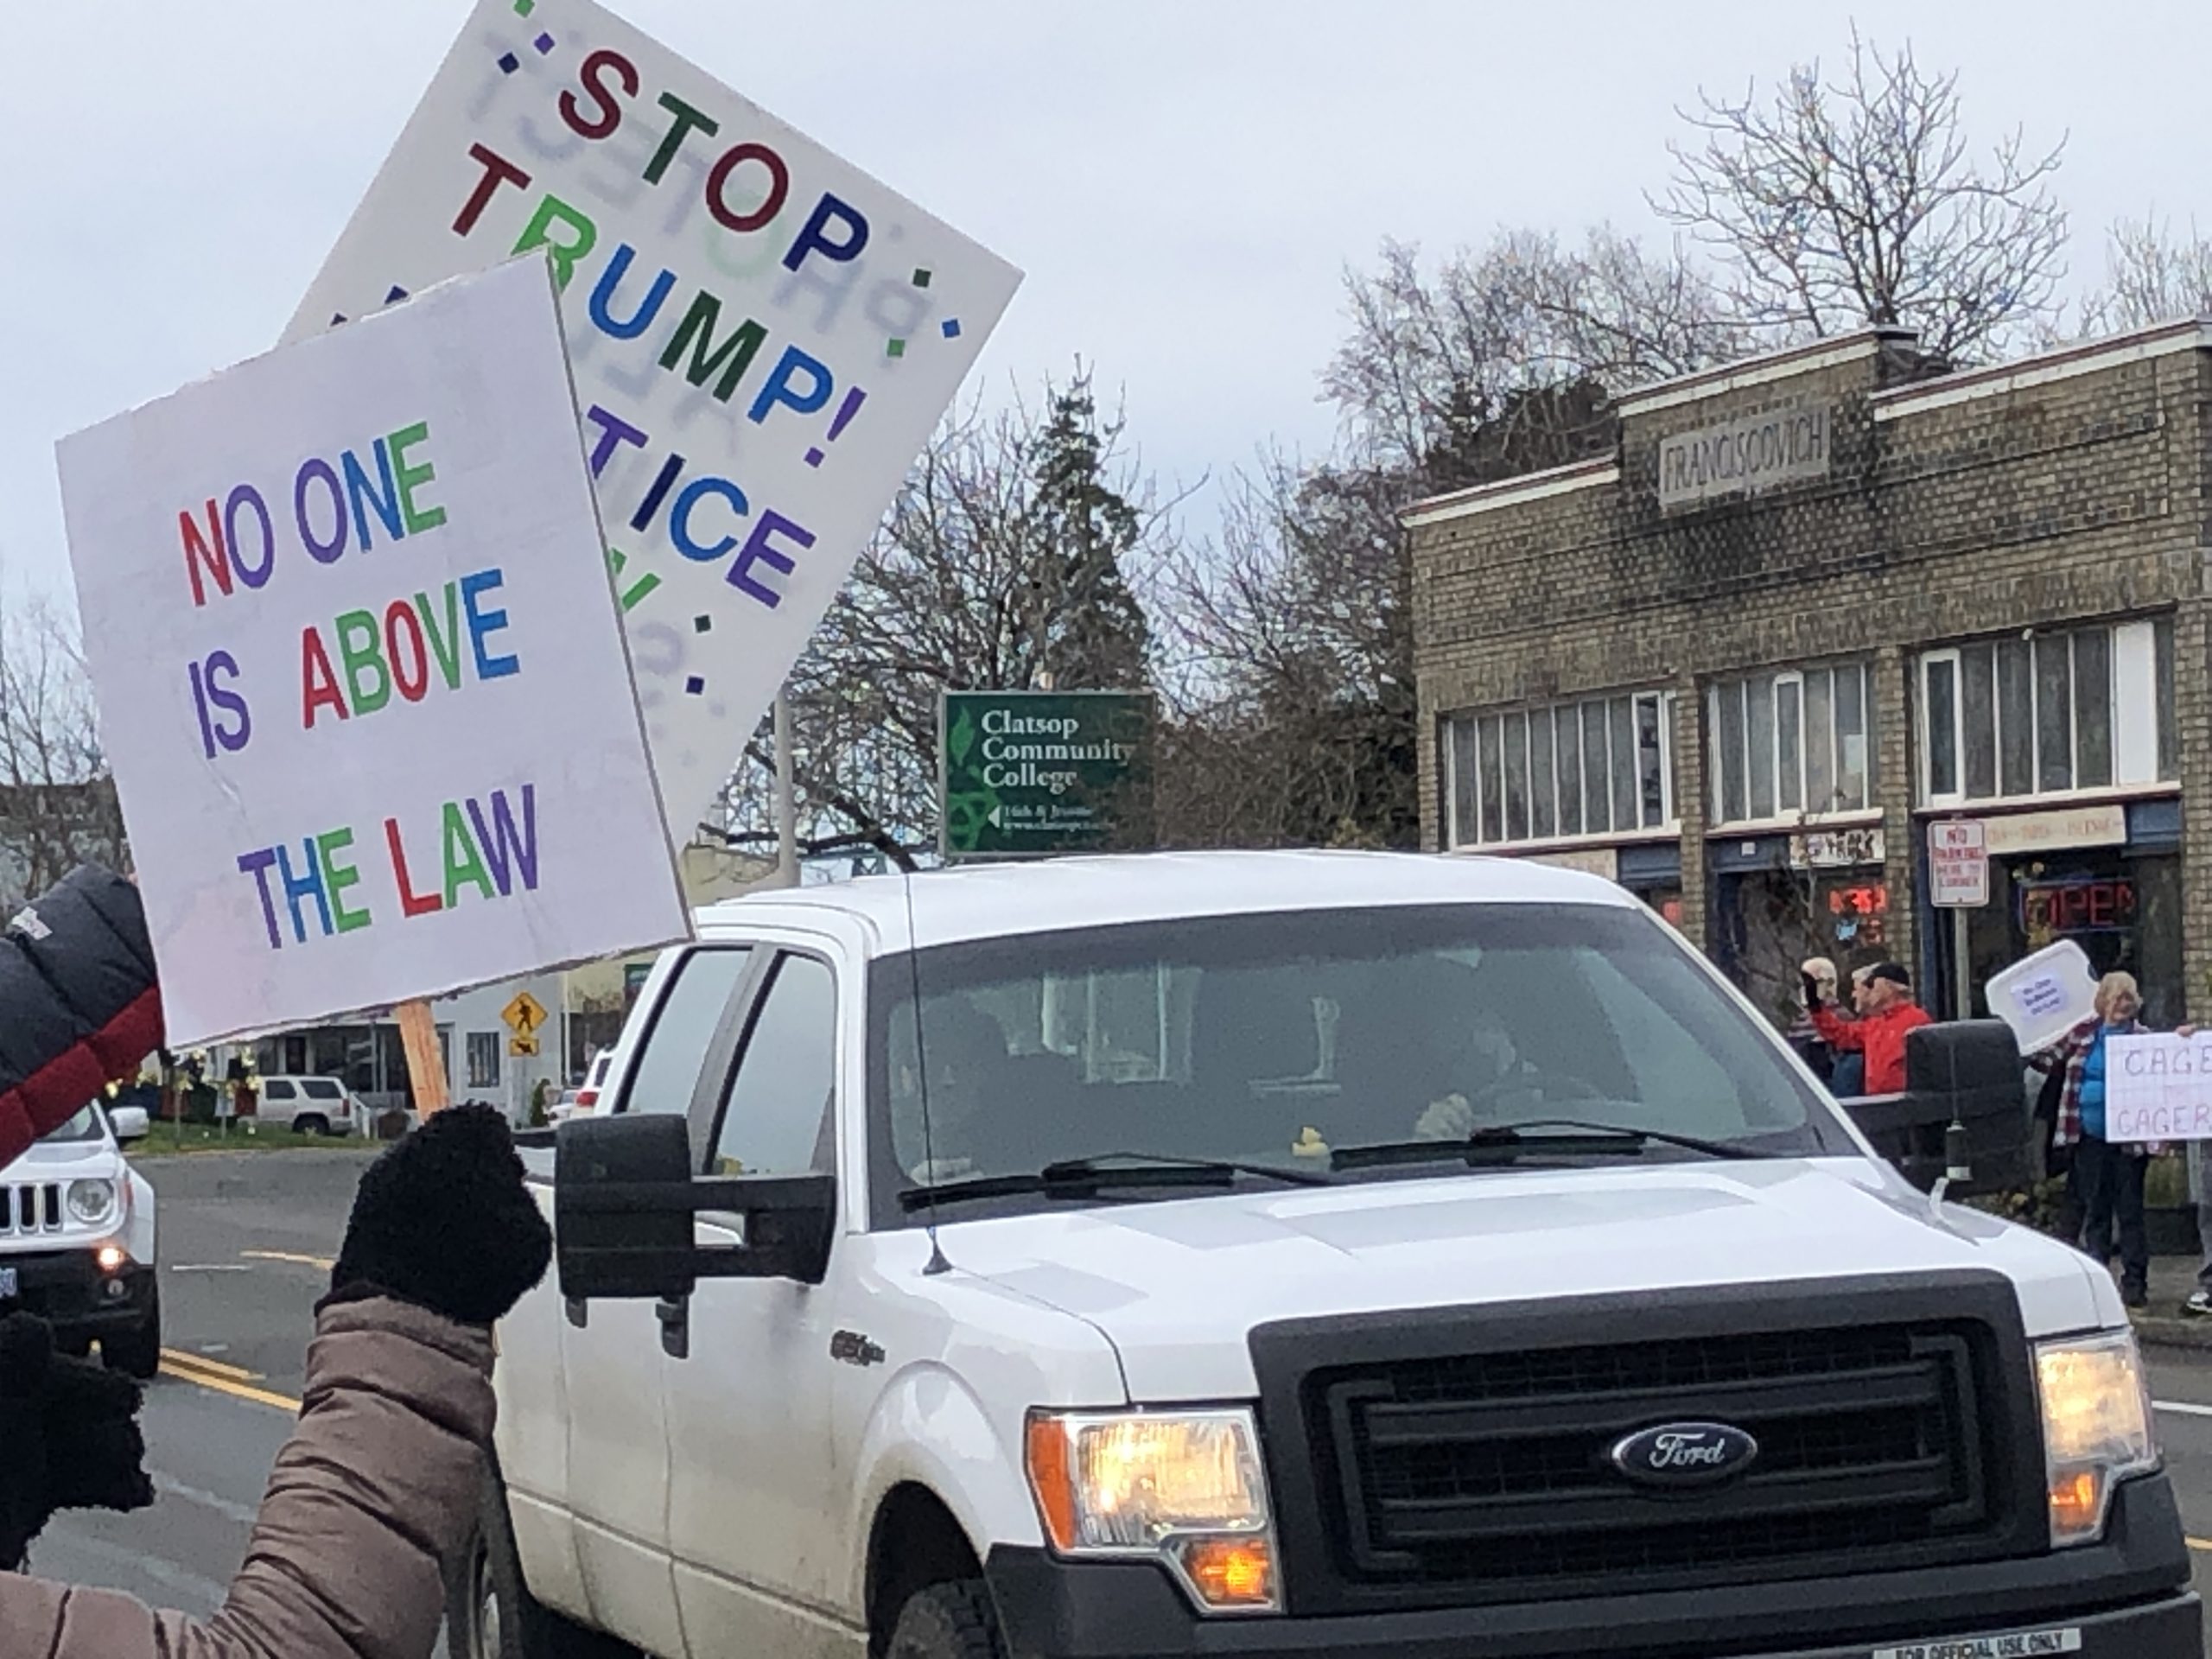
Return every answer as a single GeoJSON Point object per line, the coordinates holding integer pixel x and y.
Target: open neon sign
{"type": "Point", "coordinates": [2093, 905]}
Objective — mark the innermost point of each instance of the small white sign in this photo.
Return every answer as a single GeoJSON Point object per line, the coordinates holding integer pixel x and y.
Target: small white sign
{"type": "Point", "coordinates": [2158, 1087]}
{"type": "Point", "coordinates": [1958, 864]}
{"type": "Point", "coordinates": [2013, 1644]}
{"type": "Point", "coordinates": [360, 670]}
{"type": "Point", "coordinates": [1837, 850]}
{"type": "Point", "coordinates": [2011, 834]}
{"type": "Point", "coordinates": [2045, 995]}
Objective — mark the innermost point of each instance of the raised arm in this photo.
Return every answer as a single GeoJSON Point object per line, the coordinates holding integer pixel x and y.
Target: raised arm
{"type": "Point", "coordinates": [79, 1004]}
{"type": "Point", "coordinates": [376, 1491]}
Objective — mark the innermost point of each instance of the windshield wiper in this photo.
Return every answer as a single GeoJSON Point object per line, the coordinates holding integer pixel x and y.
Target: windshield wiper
{"type": "Point", "coordinates": [1504, 1142]}
{"type": "Point", "coordinates": [1082, 1177]}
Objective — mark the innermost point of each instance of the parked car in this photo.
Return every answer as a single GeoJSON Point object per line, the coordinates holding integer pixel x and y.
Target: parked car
{"type": "Point", "coordinates": [582, 1099]}
{"type": "Point", "coordinates": [1284, 1254]}
{"type": "Point", "coordinates": [311, 1106]}
{"type": "Point", "coordinates": [78, 1238]}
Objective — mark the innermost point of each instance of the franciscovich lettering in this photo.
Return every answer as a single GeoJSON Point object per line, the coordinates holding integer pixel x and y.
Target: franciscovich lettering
{"type": "Point", "coordinates": [1744, 457]}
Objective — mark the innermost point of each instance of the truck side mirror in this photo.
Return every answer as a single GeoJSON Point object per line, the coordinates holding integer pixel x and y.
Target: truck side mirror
{"type": "Point", "coordinates": [625, 1196]}
{"type": "Point", "coordinates": [129, 1123]}
{"type": "Point", "coordinates": [1966, 1073]}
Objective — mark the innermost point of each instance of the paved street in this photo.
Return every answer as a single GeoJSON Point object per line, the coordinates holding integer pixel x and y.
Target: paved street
{"type": "Point", "coordinates": [247, 1242]}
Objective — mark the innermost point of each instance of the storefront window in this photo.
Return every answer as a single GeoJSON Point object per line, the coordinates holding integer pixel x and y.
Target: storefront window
{"type": "Point", "coordinates": [1789, 744]}
{"type": "Point", "coordinates": [2122, 908]}
{"type": "Point", "coordinates": [1601, 767]}
{"type": "Point", "coordinates": [2066, 711]}
{"type": "Point", "coordinates": [1771, 921]}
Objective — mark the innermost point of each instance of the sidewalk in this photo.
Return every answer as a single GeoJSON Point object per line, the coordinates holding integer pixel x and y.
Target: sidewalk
{"type": "Point", "coordinates": [2163, 1325]}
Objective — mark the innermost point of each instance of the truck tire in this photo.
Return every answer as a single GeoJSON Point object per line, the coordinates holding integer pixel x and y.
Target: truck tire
{"type": "Point", "coordinates": [947, 1621]}
{"type": "Point", "coordinates": [310, 1124]}
{"type": "Point", "coordinates": [490, 1613]}
{"type": "Point", "coordinates": [138, 1352]}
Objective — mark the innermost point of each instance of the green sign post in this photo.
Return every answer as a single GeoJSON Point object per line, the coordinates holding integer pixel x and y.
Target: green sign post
{"type": "Point", "coordinates": [1024, 774]}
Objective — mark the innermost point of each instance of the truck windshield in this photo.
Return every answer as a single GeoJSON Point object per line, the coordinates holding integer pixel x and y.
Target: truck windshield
{"type": "Point", "coordinates": [1284, 1038]}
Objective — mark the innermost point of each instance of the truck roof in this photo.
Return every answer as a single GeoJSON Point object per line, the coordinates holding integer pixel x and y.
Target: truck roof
{"type": "Point", "coordinates": [1047, 895]}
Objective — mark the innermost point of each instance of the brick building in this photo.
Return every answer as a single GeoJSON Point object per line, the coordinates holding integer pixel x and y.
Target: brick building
{"type": "Point", "coordinates": [1814, 601]}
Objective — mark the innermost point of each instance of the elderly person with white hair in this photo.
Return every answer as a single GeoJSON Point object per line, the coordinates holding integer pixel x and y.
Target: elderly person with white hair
{"type": "Point", "coordinates": [2108, 1177]}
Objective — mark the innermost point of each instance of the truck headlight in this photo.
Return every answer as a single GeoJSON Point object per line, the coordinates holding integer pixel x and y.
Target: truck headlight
{"type": "Point", "coordinates": [1184, 1487]}
{"type": "Point", "coordinates": [92, 1202]}
{"type": "Point", "coordinates": [2096, 1427]}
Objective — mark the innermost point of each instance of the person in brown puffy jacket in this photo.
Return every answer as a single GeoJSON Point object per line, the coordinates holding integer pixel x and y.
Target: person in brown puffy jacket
{"type": "Point", "coordinates": [375, 1493]}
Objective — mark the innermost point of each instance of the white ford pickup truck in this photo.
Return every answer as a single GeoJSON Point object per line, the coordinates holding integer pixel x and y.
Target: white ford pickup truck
{"type": "Point", "coordinates": [1283, 1254]}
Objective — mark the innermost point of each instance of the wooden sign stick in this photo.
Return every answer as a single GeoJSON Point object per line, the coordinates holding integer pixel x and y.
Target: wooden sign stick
{"type": "Point", "coordinates": [426, 1066]}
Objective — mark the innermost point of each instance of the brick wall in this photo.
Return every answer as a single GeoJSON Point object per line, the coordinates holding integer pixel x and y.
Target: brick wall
{"type": "Point", "coordinates": [2020, 506]}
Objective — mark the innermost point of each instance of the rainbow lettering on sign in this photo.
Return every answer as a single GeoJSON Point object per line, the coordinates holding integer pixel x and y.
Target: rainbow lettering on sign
{"type": "Point", "coordinates": [488, 845]}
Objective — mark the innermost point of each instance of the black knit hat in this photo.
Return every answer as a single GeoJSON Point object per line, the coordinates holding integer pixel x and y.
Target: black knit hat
{"type": "Point", "coordinates": [1893, 972]}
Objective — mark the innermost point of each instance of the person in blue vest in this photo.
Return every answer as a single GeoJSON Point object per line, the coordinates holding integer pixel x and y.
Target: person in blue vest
{"type": "Point", "coordinates": [2108, 1176]}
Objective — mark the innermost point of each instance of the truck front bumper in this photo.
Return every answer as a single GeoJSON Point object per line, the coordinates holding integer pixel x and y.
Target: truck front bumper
{"type": "Point", "coordinates": [71, 1291]}
{"type": "Point", "coordinates": [2125, 1598]}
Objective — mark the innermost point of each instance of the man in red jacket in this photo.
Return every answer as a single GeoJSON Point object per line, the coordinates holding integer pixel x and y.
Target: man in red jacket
{"type": "Point", "coordinates": [1886, 1013]}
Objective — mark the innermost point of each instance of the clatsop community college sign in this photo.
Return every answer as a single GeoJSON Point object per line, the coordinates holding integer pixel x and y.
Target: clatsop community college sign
{"type": "Point", "coordinates": [1744, 457]}
{"type": "Point", "coordinates": [1029, 772]}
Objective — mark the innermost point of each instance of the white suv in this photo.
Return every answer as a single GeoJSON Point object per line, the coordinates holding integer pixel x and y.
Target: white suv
{"type": "Point", "coordinates": [77, 1240]}
{"type": "Point", "coordinates": [309, 1105]}
{"type": "Point", "coordinates": [1266, 1255]}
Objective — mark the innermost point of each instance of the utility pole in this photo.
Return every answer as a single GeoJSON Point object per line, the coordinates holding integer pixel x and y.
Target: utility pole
{"type": "Point", "coordinates": [786, 798]}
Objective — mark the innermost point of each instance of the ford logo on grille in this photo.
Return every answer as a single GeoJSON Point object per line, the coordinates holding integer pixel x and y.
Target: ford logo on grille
{"type": "Point", "coordinates": [1684, 1454]}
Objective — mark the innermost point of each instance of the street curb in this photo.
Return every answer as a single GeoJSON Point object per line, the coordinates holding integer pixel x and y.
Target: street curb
{"type": "Point", "coordinates": [2158, 1331]}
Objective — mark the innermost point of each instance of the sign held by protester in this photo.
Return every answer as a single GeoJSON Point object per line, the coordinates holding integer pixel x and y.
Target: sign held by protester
{"type": "Point", "coordinates": [2045, 996]}
{"type": "Point", "coordinates": [763, 336]}
{"type": "Point", "coordinates": [360, 671]}
{"type": "Point", "coordinates": [2158, 1087]}
{"type": "Point", "coordinates": [1024, 774]}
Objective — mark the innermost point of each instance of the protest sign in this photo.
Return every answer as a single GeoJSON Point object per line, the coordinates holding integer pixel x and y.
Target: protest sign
{"type": "Point", "coordinates": [360, 671]}
{"type": "Point", "coordinates": [2158, 1087]}
{"type": "Point", "coordinates": [763, 335]}
{"type": "Point", "coordinates": [2045, 996]}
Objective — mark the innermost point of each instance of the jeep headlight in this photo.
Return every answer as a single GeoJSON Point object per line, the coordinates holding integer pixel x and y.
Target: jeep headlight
{"type": "Point", "coordinates": [92, 1202]}
{"type": "Point", "coordinates": [2096, 1427]}
{"type": "Point", "coordinates": [1183, 1487]}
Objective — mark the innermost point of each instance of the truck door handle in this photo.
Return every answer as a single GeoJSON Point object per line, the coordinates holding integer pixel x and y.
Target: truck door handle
{"type": "Point", "coordinates": [674, 1314]}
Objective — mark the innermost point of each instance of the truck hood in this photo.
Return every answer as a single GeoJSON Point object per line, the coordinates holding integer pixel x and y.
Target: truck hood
{"type": "Point", "coordinates": [1177, 1286]}
{"type": "Point", "coordinates": [63, 1160]}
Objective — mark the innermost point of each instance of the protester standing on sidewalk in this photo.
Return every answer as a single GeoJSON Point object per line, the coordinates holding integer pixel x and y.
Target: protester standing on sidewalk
{"type": "Point", "coordinates": [1802, 1036]}
{"type": "Point", "coordinates": [1887, 1014]}
{"type": "Point", "coordinates": [2106, 1178]}
{"type": "Point", "coordinates": [2199, 1304]}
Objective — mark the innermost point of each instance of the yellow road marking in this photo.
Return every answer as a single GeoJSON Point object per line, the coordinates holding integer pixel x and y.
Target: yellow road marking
{"type": "Point", "coordinates": [202, 1363]}
{"type": "Point", "coordinates": [2204, 1544]}
{"type": "Point", "coordinates": [322, 1262]}
{"type": "Point", "coordinates": [221, 1384]}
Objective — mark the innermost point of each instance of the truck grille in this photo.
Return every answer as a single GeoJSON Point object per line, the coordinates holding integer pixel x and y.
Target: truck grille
{"type": "Point", "coordinates": [29, 1207]}
{"type": "Point", "coordinates": [1459, 1475]}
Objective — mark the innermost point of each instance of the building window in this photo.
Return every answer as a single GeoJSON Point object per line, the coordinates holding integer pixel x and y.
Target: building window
{"type": "Point", "coordinates": [1565, 771]}
{"type": "Point", "coordinates": [483, 1059]}
{"type": "Point", "coordinates": [1791, 744]}
{"type": "Point", "coordinates": [2061, 713]}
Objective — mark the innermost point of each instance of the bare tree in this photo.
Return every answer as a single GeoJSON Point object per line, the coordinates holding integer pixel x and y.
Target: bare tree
{"type": "Point", "coordinates": [1432, 355]}
{"type": "Point", "coordinates": [1288, 668]}
{"type": "Point", "coordinates": [1005, 562]}
{"type": "Point", "coordinates": [2151, 277]}
{"type": "Point", "coordinates": [57, 805]}
{"type": "Point", "coordinates": [1843, 203]}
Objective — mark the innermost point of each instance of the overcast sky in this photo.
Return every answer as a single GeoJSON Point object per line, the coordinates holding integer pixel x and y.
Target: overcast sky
{"type": "Point", "coordinates": [1183, 181]}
